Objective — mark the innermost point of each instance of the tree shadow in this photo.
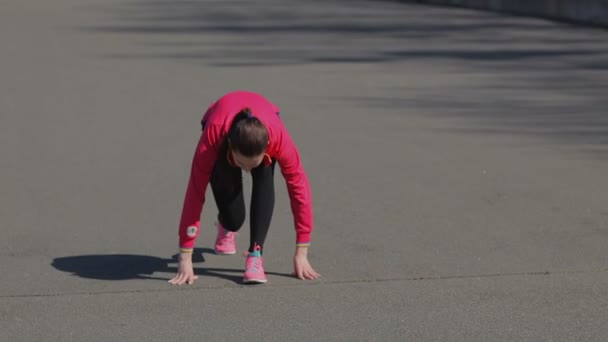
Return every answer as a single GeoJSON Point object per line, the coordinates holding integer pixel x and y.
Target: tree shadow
{"type": "Point", "coordinates": [293, 32]}
{"type": "Point", "coordinates": [540, 78]}
{"type": "Point", "coordinates": [116, 267]}
{"type": "Point", "coordinates": [573, 116]}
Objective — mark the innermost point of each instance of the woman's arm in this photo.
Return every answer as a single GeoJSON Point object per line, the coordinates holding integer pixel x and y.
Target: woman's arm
{"type": "Point", "coordinates": [200, 173]}
{"type": "Point", "coordinates": [300, 196]}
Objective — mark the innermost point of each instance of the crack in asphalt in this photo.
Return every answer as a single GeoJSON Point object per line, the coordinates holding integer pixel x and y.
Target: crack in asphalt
{"type": "Point", "coordinates": [317, 283]}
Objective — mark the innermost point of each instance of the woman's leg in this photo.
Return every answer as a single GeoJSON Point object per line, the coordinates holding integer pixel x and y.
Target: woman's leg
{"type": "Point", "coordinates": [262, 204]}
{"type": "Point", "coordinates": [227, 186]}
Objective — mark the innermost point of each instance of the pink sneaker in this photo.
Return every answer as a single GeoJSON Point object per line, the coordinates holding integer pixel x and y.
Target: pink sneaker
{"type": "Point", "coordinates": [254, 270]}
{"type": "Point", "coordinates": [224, 242]}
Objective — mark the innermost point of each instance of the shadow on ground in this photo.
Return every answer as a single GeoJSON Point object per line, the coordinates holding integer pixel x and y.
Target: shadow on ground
{"type": "Point", "coordinates": [501, 74]}
{"type": "Point", "coordinates": [566, 115]}
{"type": "Point", "coordinates": [130, 266]}
{"type": "Point", "coordinates": [294, 32]}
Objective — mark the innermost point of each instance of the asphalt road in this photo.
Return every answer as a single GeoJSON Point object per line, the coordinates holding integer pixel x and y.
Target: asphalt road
{"type": "Point", "coordinates": [458, 163]}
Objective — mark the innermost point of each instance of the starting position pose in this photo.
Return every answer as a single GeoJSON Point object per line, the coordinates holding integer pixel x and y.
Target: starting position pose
{"type": "Point", "coordinates": [242, 131]}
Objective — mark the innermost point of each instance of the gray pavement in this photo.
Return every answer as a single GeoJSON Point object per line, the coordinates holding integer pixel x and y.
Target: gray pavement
{"type": "Point", "coordinates": [458, 163]}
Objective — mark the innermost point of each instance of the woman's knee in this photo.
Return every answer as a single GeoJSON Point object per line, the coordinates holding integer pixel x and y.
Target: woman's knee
{"type": "Point", "coordinates": [232, 220]}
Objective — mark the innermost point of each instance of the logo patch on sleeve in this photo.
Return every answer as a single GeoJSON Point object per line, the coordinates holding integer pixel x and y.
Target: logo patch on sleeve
{"type": "Point", "coordinates": [191, 231]}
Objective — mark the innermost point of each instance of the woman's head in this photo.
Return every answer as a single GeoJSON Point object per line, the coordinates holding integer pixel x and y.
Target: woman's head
{"type": "Point", "coordinates": [248, 139]}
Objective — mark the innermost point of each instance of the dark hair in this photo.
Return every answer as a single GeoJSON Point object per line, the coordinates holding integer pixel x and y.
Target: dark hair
{"type": "Point", "coordinates": [247, 135]}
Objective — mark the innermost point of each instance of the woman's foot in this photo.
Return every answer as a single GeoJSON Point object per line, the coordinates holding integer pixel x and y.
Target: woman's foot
{"type": "Point", "coordinates": [254, 269]}
{"type": "Point", "coordinates": [224, 242]}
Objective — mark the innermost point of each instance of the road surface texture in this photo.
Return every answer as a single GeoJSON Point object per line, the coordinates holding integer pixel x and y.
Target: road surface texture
{"type": "Point", "coordinates": [458, 162]}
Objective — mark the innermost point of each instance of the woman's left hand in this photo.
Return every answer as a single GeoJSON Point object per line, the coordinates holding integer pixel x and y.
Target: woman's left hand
{"type": "Point", "coordinates": [302, 268]}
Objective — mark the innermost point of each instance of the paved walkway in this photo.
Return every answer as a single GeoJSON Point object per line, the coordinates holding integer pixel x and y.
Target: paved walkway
{"type": "Point", "coordinates": [458, 162]}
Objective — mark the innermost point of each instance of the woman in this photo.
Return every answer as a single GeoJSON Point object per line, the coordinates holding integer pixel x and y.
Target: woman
{"type": "Point", "coordinates": [242, 131]}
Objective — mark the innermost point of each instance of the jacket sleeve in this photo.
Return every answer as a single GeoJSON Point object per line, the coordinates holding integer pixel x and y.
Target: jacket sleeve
{"type": "Point", "coordinates": [200, 173]}
{"type": "Point", "coordinates": [298, 189]}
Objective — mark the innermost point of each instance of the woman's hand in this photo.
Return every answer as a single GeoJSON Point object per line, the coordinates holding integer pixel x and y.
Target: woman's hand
{"type": "Point", "coordinates": [302, 268]}
{"type": "Point", "coordinates": [185, 271]}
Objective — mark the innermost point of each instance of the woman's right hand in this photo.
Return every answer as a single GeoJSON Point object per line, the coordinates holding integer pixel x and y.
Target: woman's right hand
{"type": "Point", "coordinates": [185, 271]}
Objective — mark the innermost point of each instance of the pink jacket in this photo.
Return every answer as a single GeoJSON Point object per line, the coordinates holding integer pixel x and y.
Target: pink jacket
{"type": "Point", "coordinates": [218, 118]}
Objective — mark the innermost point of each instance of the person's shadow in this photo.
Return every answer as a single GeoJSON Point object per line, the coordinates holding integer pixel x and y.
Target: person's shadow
{"type": "Point", "coordinates": [130, 266]}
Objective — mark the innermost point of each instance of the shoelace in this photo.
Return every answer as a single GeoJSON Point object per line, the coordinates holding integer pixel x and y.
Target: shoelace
{"type": "Point", "coordinates": [254, 263]}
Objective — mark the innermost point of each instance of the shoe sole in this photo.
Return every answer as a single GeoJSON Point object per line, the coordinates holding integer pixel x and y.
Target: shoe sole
{"type": "Point", "coordinates": [225, 253]}
{"type": "Point", "coordinates": [255, 281]}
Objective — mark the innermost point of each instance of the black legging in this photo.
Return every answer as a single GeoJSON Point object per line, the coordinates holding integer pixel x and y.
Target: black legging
{"type": "Point", "coordinates": [227, 185]}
